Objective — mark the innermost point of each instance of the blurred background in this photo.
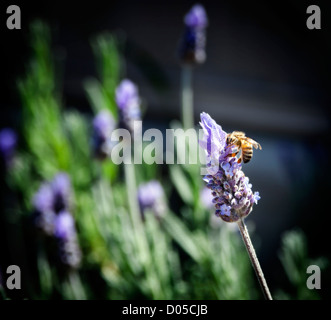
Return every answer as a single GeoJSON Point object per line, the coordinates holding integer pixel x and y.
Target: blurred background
{"type": "Point", "coordinates": [266, 74]}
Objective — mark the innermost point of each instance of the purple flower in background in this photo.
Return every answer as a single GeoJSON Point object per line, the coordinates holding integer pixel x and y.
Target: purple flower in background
{"type": "Point", "coordinates": [51, 204]}
{"type": "Point", "coordinates": [8, 141]}
{"type": "Point", "coordinates": [43, 203]}
{"type": "Point", "coordinates": [61, 187]}
{"type": "Point", "coordinates": [64, 225]}
{"type": "Point", "coordinates": [128, 102]}
{"type": "Point", "coordinates": [65, 233]}
{"type": "Point", "coordinates": [127, 94]}
{"type": "Point", "coordinates": [206, 198]}
{"type": "Point", "coordinates": [232, 192]}
{"type": "Point", "coordinates": [192, 46]}
{"type": "Point", "coordinates": [196, 17]}
{"type": "Point", "coordinates": [151, 197]}
{"type": "Point", "coordinates": [103, 126]}
{"type": "Point", "coordinates": [43, 199]}
{"type": "Point", "coordinates": [51, 198]}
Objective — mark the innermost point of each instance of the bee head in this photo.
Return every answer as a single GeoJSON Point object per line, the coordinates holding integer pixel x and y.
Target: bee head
{"type": "Point", "coordinates": [230, 139]}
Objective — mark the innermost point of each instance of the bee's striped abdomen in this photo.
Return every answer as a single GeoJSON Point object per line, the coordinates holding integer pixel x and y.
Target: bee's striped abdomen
{"type": "Point", "coordinates": [247, 152]}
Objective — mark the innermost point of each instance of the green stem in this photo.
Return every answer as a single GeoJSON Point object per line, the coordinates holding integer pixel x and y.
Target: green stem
{"type": "Point", "coordinates": [254, 259]}
{"type": "Point", "coordinates": [76, 286]}
{"type": "Point", "coordinates": [187, 98]}
{"type": "Point", "coordinates": [130, 181]}
{"type": "Point", "coordinates": [138, 228]}
{"type": "Point", "coordinates": [2, 293]}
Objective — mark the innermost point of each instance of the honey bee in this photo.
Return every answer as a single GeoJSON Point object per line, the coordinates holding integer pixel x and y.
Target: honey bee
{"type": "Point", "coordinates": [244, 144]}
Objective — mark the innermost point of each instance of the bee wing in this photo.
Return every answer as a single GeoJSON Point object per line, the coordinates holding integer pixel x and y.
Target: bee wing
{"type": "Point", "coordinates": [255, 144]}
{"type": "Point", "coordinates": [239, 134]}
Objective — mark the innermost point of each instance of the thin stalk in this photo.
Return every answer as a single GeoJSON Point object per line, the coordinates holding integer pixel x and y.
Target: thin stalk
{"type": "Point", "coordinates": [76, 286]}
{"type": "Point", "coordinates": [130, 181]}
{"type": "Point", "coordinates": [187, 97]}
{"type": "Point", "coordinates": [137, 224]}
{"type": "Point", "coordinates": [138, 228]}
{"type": "Point", "coordinates": [254, 259]}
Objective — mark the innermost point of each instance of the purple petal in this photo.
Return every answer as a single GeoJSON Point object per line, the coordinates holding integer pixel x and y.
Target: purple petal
{"type": "Point", "coordinates": [149, 193]}
{"type": "Point", "coordinates": [196, 17]}
{"type": "Point", "coordinates": [64, 225]}
{"type": "Point", "coordinates": [126, 94]}
{"type": "Point", "coordinates": [214, 139]}
{"type": "Point", "coordinates": [43, 200]}
{"type": "Point", "coordinates": [103, 123]}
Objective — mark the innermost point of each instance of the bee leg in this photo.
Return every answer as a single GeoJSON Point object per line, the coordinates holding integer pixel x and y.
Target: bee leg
{"type": "Point", "coordinates": [235, 153]}
{"type": "Point", "coordinates": [232, 154]}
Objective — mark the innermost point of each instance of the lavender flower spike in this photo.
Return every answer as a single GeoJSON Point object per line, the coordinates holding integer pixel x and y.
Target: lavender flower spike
{"type": "Point", "coordinates": [192, 47]}
{"type": "Point", "coordinates": [196, 17]}
{"type": "Point", "coordinates": [61, 187]}
{"type": "Point", "coordinates": [8, 141]}
{"type": "Point", "coordinates": [128, 102]}
{"type": "Point", "coordinates": [50, 199]}
{"type": "Point", "coordinates": [103, 126]}
{"type": "Point", "coordinates": [232, 192]}
{"type": "Point", "coordinates": [43, 204]}
{"type": "Point", "coordinates": [64, 226]}
{"type": "Point", "coordinates": [151, 196]}
{"type": "Point", "coordinates": [43, 199]}
{"type": "Point", "coordinates": [65, 233]}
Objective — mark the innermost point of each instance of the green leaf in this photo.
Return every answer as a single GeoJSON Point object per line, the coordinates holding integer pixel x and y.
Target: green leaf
{"type": "Point", "coordinates": [95, 95]}
{"type": "Point", "coordinates": [182, 183]}
{"type": "Point", "coordinates": [182, 236]}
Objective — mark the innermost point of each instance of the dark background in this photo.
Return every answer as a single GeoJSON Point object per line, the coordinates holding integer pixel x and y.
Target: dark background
{"type": "Point", "coordinates": [266, 74]}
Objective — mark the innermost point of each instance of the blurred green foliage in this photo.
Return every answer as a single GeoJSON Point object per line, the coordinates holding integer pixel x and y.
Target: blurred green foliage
{"type": "Point", "coordinates": [183, 255]}
{"type": "Point", "coordinates": [295, 259]}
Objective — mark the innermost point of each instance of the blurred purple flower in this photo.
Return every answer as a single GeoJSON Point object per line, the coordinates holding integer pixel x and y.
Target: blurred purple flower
{"type": "Point", "coordinates": [8, 141]}
{"type": "Point", "coordinates": [206, 198]}
{"type": "Point", "coordinates": [61, 187]}
{"type": "Point", "coordinates": [64, 225]}
{"type": "Point", "coordinates": [192, 46]}
{"type": "Point", "coordinates": [65, 233]}
{"type": "Point", "coordinates": [127, 94]}
{"type": "Point", "coordinates": [128, 102]}
{"type": "Point", "coordinates": [196, 17]}
{"type": "Point", "coordinates": [51, 204]}
{"type": "Point", "coordinates": [232, 192]}
{"type": "Point", "coordinates": [43, 199]}
{"type": "Point", "coordinates": [151, 197]}
{"type": "Point", "coordinates": [43, 203]}
{"type": "Point", "coordinates": [103, 126]}
{"type": "Point", "coordinates": [51, 198]}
